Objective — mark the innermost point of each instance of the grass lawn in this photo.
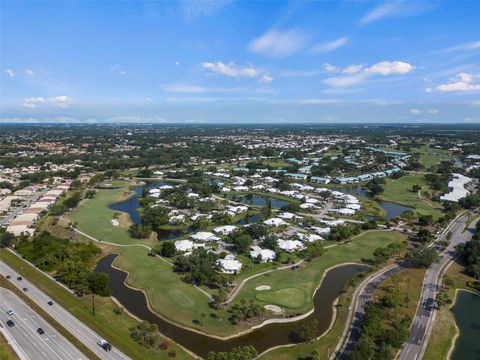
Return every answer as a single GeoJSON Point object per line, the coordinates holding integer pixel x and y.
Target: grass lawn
{"type": "Point", "coordinates": [431, 157]}
{"type": "Point", "coordinates": [114, 328]}
{"type": "Point", "coordinates": [6, 351]}
{"type": "Point", "coordinates": [300, 284]}
{"type": "Point", "coordinates": [399, 191]}
{"type": "Point", "coordinates": [444, 328]}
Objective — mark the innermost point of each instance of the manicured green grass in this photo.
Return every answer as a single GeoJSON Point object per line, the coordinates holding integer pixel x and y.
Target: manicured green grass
{"type": "Point", "coordinates": [113, 327]}
{"type": "Point", "coordinates": [400, 191]}
{"type": "Point", "coordinates": [431, 157]}
{"type": "Point", "coordinates": [291, 297]}
{"type": "Point", "coordinates": [308, 278]}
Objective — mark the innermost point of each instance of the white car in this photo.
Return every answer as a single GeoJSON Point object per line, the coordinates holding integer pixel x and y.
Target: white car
{"type": "Point", "coordinates": [9, 312]}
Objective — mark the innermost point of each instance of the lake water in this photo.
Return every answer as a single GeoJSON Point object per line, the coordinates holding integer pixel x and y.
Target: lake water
{"type": "Point", "coordinates": [391, 209]}
{"type": "Point", "coordinates": [467, 317]}
{"type": "Point", "coordinates": [259, 200]}
{"type": "Point", "coordinates": [262, 339]}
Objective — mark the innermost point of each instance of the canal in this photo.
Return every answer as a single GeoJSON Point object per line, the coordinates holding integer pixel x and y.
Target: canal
{"type": "Point", "coordinates": [467, 317]}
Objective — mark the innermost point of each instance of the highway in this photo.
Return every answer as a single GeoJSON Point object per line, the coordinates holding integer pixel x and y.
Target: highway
{"type": "Point", "coordinates": [78, 329]}
{"type": "Point", "coordinates": [423, 318]}
{"type": "Point", "coordinates": [24, 337]}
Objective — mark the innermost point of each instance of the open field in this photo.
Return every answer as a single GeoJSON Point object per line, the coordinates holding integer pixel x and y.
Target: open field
{"type": "Point", "coordinates": [399, 191]}
{"type": "Point", "coordinates": [113, 327]}
{"type": "Point", "coordinates": [6, 351]}
{"type": "Point", "coordinates": [444, 328]}
{"type": "Point", "coordinates": [430, 157]}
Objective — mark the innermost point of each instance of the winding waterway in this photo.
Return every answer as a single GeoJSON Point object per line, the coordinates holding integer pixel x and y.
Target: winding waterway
{"type": "Point", "coordinates": [467, 317]}
{"type": "Point", "coordinates": [263, 338]}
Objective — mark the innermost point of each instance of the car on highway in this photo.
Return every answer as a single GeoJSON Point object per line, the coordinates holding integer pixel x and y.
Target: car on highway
{"type": "Point", "coordinates": [25, 289]}
{"type": "Point", "coordinates": [9, 277]}
{"type": "Point", "coordinates": [104, 344]}
{"type": "Point", "coordinates": [50, 303]}
{"type": "Point", "coordinates": [10, 312]}
{"type": "Point", "coordinates": [10, 323]}
{"type": "Point", "coordinates": [40, 331]}
{"type": "Point", "coordinates": [19, 278]}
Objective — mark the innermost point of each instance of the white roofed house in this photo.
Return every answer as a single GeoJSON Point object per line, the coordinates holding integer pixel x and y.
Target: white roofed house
{"type": "Point", "coordinates": [183, 245]}
{"type": "Point", "coordinates": [265, 254]}
{"type": "Point", "coordinates": [290, 245]}
{"type": "Point", "coordinates": [309, 237]}
{"type": "Point", "coordinates": [229, 265]}
{"type": "Point", "coordinates": [202, 236]}
{"type": "Point", "coordinates": [224, 230]}
{"type": "Point", "coordinates": [177, 219]}
{"type": "Point", "coordinates": [274, 222]}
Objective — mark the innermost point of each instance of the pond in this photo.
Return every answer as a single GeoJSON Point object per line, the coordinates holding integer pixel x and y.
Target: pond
{"type": "Point", "coordinates": [262, 338]}
{"type": "Point", "coordinates": [259, 200]}
{"type": "Point", "coordinates": [467, 317]}
{"type": "Point", "coordinates": [391, 209]}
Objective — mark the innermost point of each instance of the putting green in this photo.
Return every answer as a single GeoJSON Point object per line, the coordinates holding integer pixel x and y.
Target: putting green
{"type": "Point", "coordinates": [287, 297]}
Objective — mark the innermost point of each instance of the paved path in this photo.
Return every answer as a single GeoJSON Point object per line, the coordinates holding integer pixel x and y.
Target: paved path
{"type": "Point", "coordinates": [23, 335]}
{"type": "Point", "coordinates": [77, 328]}
{"type": "Point", "coordinates": [426, 313]}
{"type": "Point", "coordinates": [363, 294]}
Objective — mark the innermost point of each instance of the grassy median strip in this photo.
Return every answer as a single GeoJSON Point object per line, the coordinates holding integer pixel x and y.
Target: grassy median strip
{"type": "Point", "coordinates": [6, 351]}
{"type": "Point", "coordinates": [77, 343]}
{"type": "Point", "coordinates": [114, 327]}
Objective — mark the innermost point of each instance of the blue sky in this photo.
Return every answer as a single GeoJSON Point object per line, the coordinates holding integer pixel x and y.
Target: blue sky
{"type": "Point", "coordinates": [238, 61]}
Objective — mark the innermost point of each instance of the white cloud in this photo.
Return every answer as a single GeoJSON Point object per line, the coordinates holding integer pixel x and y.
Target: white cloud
{"type": "Point", "coordinates": [29, 72]}
{"type": "Point", "coordinates": [181, 88]}
{"type": "Point", "coordinates": [266, 79]}
{"type": "Point", "coordinates": [278, 43]}
{"type": "Point", "coordinates": [61, 102]}
{"type": "Point", "coordinates": [118, 69]}
{"type": "Point", "coordinates": [299, 73]}
{"type": "Point", "coordinates": [230, 69]}
{"type": "Point", "coordinates": [341, 81]}
{"type": "Point", "coordinates": [475, 104]}
{"type": "Point", "coordinates": [395, 8]}
{"type": "Point", "coordinates": [352, 69]}
{"type": "Point", "coordinates": [390, 67]}
{"type": "Point", "coordinates": [135, 119]}
{"type": "Point", "coordinates": [329, 46]}
{"type": "Point", "coordinates": [193, 9]}
{"type": "Point", "coordinates": [331, 68]}
{"type": "Point", "coordinates": [475, 45]}
{"type": "Point", "coordinates": [461, 82]}
{"type": "Point", "coordinates": [148, 99]}
{"type": "Point", "coordinates": [10, 73]}
{"type": "Point", "coordinates": [177, 63]}
{"type": "Point", "coordinates": [429, 111]}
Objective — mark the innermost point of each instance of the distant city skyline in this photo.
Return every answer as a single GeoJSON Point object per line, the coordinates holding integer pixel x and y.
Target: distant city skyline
{"type": "Point", "coordinates": [218, 61]}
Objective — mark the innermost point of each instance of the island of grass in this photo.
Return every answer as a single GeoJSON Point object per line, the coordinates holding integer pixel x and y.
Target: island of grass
{"type": "Point", "coordinates": [183, 303]}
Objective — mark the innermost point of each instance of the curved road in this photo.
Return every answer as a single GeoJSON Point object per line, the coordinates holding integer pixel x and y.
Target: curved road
{"type": "Point", "coordinates": [416, 344]}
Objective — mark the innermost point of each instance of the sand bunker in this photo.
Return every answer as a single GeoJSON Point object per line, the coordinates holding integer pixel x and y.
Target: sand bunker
{"type": "Point", "coordinates": [274, 308]}
{"type": "Point", "coordinates": [262, 287]}
{"type": "Point", "coordinates": [115, 222]}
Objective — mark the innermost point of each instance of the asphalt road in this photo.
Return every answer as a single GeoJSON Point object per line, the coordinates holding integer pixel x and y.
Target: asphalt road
{"type": "Point", "coordinates": [423, 322]}
{"type": "Point", "coordinates": [49, 346]}
{"type": "Point", "coordinates": [78, 329]}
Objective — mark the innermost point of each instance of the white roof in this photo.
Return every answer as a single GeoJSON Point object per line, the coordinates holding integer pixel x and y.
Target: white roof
{"type": "Point", "coordinates": [309, 237]}
{"type": "Point", "coordinates": [183, 245]}
{"type": "Point", "coordinates": [224, 230]}
{"type": "Point", "coordinates": [265, 254]}
{"type": "Point", "coordinates": [202, 236]}
{"type": "Point", "coordinates": [289, 245]}
{"type": "Point", "coordinates": [457, 188]}
{"type": "Point", "coordinates": [229, 265]}
{"type": "Point", "coordinates": [274, 222]}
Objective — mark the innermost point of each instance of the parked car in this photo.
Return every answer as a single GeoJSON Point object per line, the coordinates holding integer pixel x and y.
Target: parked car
{"type": "Point", "coordinates": [10, 323]}
{"type": "Point", "coordinates": [40, 331]}
{"type": "Point", "coordinates": [10, 312]}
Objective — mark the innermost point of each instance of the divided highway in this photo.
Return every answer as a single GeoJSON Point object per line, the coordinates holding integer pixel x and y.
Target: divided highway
{"type": "Point", "coordinates": [78, 329]}
{"type": "Point", "coordinates": [422, 323]}
{"type": "Point", "coordinates": [23, 336]}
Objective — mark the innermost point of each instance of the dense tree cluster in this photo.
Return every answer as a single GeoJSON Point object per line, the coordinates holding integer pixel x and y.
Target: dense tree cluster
{"type": "Point", "coordinates": [470, 254]}
{"type": "Point", "coordinates": [238, 353]}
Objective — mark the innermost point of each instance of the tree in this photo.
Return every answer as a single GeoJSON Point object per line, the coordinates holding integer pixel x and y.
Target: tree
{"type": "Point", "coordinates": [6, 238]}
{"type": "Point", "coordinates": [315, 249]}
{"type": "Point", "coordinates": [309, 331]}
{"type": "Point", "coordinates": [422, 257]}
{"type": "Point", "coordinates": [424, 236]}
{"type": "Point", "coordinates": [443, 299]}
{"type": "Point", "coordinates": [98, 285]}
{"type": "Point", "coordinates": [168, 249]}
{"type": "Point", "coordinates": [416, 188]}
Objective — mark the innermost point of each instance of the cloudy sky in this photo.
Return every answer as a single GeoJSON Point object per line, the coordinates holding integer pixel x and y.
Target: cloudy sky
{"type": "Point", "coordinates": [238, 61]}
